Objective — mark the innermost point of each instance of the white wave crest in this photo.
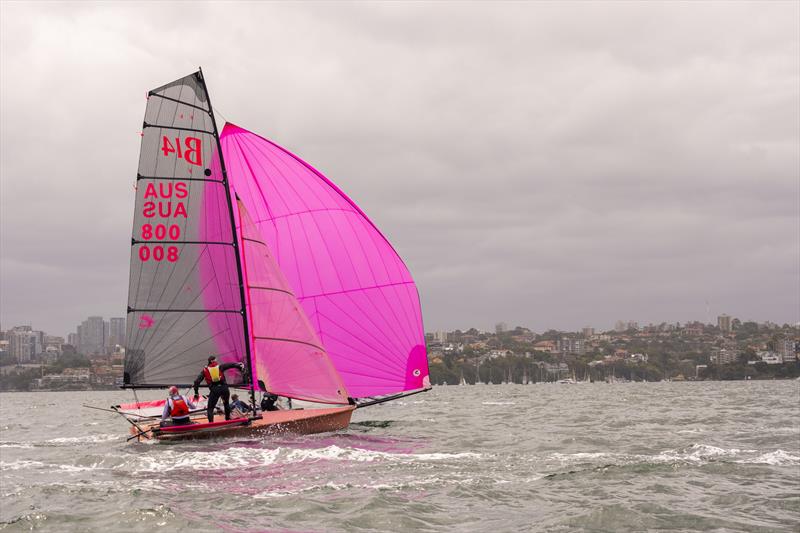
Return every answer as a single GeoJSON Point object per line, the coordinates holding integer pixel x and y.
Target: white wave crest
{"type": "Point", "coordinates": [20, 465]}
{"type": "Point", "coordinates": [699, 453]}
{"type": "Point", "coordinates": [696, 454]}
{"type": "Point", "coordinates": [165, 461]}
{"type": "Point", "coordinates": [248, 457]}
{"type": "Point", "coordinates": [776, 458]}
{"type": "Point", "coordinates": [86, 439]}
{"type": "Point", "coordinates": [15, 445]}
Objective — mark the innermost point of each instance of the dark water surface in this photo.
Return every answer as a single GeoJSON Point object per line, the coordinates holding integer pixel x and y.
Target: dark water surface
{"type": "Point", "coordinates": [591, 457]}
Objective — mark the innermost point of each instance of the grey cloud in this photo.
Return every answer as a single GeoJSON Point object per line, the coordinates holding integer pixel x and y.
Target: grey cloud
{"type": "Point", "coordinates": [544, 164]}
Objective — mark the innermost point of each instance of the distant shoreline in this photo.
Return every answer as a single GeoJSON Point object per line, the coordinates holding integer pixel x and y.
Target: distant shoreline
{"type": "Point", "coordinates": [117, 389]}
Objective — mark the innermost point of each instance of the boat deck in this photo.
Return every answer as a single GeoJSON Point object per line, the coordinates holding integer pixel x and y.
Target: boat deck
{"type": "Point", "coordinates": [300, 421]}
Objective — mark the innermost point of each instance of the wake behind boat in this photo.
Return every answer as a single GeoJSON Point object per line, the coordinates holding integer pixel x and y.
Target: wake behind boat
{"type": "Point", "coordinates": [291, 282]}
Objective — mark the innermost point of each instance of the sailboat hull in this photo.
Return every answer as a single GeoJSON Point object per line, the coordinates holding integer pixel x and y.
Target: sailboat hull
{"type": "Point", "coordinates": [297, 421]}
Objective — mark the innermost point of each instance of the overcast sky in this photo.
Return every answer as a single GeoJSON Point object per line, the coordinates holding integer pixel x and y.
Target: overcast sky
{"type": "Point", "coordinates": [551, 165]}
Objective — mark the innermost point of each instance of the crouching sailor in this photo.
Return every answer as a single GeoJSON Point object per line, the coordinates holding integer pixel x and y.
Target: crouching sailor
{"type": "Point", "coordinates": [176, 409]}
{"type": "Point", "coordinates": [214, 376]}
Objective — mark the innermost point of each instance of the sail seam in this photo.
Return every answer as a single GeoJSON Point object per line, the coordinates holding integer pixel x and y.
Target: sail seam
{"type": "Point", "coordinates": [164, 126]}
{"type": "Point", "coordinates": [354, 290]}
{"type": "Point", "coordinates": [308, 211]}
{"type": "Point", "coordinates": [179, 102]}
{"type": "Point", "coordinates": [289, 340]}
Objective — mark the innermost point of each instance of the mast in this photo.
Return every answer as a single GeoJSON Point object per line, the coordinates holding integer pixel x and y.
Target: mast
{"type": "Point", "coordinates": [236, 244]}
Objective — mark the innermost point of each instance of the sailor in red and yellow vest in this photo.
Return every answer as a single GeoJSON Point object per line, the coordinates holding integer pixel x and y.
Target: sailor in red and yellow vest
{"type": "Point", "coordinates": [176, 409]}
{"type": "Point", "coordinates": [214, 376]}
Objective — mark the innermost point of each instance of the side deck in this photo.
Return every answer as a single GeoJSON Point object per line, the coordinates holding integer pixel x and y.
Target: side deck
{"type": "Point", "coordinates": [300, 421]}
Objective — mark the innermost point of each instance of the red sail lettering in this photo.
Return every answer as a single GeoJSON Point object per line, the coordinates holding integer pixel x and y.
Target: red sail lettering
{"type": "Point", "coordinates": [166, 147]}
{"type": "Point", "coordinates": [150, 191]}
{"type": "Point", "coordinates": [149, 210]}
{"type": "Point", "coordinates": [161, 209]}
{"type": "Point", "coordinates": [180, 190]}
{"type": "Point", "coordinates": [192, 153]}
{"type": "Point", "coordinates": [180, 209]}
{"type": "Point", "coordinates": [168, 194]}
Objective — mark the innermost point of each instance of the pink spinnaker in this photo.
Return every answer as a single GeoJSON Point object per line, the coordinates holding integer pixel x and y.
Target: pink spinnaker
{"type": "Point", "coordinates": [287, 354]}
{"type": "Point", "coordinates": [356, 291]}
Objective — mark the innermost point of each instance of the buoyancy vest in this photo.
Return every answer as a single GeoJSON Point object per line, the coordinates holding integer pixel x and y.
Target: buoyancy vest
{"type": "Point", "coordinates": [178, 407]}
{"type": "Point", "coordinates": [213, 375]}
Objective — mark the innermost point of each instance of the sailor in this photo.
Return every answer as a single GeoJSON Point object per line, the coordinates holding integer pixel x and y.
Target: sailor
{"type": "Point", "coordinates": [176, 409]}
{"type": "Point", "coordinates": [214, 376]}
{"type": "Point", "coordinates": [238, 407]}
{"type": "Point", "coordinates": [268, 401]}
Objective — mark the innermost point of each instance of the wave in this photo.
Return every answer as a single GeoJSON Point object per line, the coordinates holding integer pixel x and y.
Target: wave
{"type": "Point", "coordinates": [86, 439]}
{"type": "Point", "coordinates": [696, 454]}
{"type": "Point", "coordinates": [11, 444]}
{"type": "Point", "coordinates": [776, 458]}
{"type": "Point", "coordinates": [238, 457]}
{"type": "Point", "coordinates": [24, 464]}
{"type": "Point", "coordinates": [19, 465]}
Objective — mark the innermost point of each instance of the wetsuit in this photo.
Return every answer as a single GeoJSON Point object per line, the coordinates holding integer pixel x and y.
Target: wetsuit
{"type": "Point", "coordinates": [214, 376]}
{"type": "Point", "coordinates": [268, 402]}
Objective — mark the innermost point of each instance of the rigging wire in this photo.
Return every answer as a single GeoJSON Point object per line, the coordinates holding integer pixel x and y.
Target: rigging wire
{"type": "Point", "coordinates": [221, 114]}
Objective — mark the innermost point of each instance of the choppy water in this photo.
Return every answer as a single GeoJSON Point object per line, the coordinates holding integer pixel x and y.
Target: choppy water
{"type": "Point", "coordinates": [591, 457]}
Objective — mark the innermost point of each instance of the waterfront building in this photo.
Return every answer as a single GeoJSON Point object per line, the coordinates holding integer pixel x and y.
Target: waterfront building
{"type": "Point", "coordinates": [789, 349]}
{"type": "Point", "coordinates": [771, 358]}
{"type": "Point", "coordinates": [724, 356]}
{"type": "Point", "coordinates": [92, 335]}
{"type": "Point", "coordinates": [724, 323]}
{"type": "Point", "coordinates": [694, 329]}
{"type": "Point", "coordinates": [545, 346]}
{"type": "Point", "coordinates": [116, 332]}
{"type": "Point", "coordinates": [568, 345]}
{"type": "Point", "coordinates": [24, 343]}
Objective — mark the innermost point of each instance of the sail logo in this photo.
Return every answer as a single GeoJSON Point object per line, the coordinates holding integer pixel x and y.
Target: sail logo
{"type": "Point", "coordinates": [146, 322]}
{"type": "Point", "coordinates": [191, 151]}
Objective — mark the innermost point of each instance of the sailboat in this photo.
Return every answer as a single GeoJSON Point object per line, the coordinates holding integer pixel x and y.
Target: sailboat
{"type": "Point", "coordinates": [242, 250]}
